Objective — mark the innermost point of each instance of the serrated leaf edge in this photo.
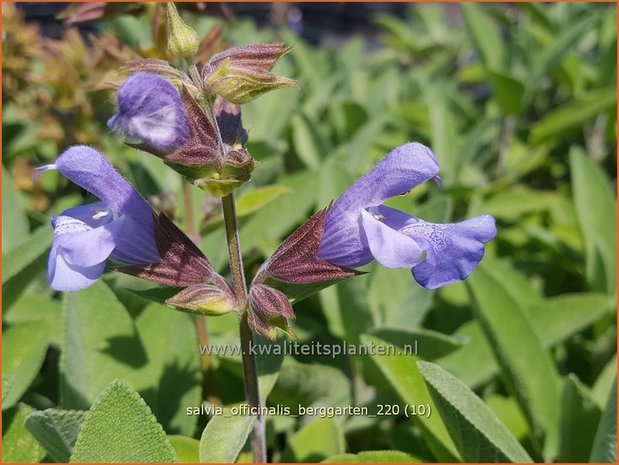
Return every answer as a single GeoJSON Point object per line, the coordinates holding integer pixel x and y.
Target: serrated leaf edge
{"type": "Point", "coordinates": [134, 394]}
{"type": "Point", "coordinates": [420, 366]}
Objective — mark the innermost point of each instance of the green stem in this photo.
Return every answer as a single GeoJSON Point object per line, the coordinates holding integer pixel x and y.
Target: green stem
{"type": "Point", "coordinates": [250, 371]}
{"type": "Point", "coordinates": [190, 223]}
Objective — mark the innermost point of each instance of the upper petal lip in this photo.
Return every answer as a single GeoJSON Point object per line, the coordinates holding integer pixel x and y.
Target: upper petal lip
{"type": "Point", "coordinates": [403, 169]}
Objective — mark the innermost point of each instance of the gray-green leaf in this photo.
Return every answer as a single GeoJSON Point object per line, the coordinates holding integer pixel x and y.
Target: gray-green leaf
{"type": "Point", "coordinates": [18, 445]}
{"type": "Point", "coordinates": [374, 456]}
{"type": "Point", "coordinates": [120, 427]}
{"type": "Point", "coordinates": [402, 374]}
{"type": "Point", "coordinates": [56, 430]}
{"type": "Point", "coordinates": [15, 227]}
{"type": "Point", "coordinates": [224, 437]}
{"type": "Point", "coordinates": [27, 252]}
{"type": "Point", "coordinates": [24, 348]}
{"type": "Point", "coordinates": [605, 444]}
{"type": "Point", "coordinates": [316, 441]}
{"type": "Point", "coordinates": [478, 434]}
{"type": "Point", "coordinates": [95, 352]}
{"type": "Point", "coordinates": [187, 449]}
{"type": "Point", "coordinates": [599, 225]}
{"type": "Point", "coordinates": [579, 419]}
{"type": "Point", "coordinates": [523, 360]}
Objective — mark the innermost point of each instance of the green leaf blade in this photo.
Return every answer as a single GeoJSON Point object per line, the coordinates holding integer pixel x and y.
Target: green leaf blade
{"type": "Point", "coordinates": [18, 445]}
{"type": "Point", "coordinates": [24, 348]}
{"type": "Point", "coordinates": [599, 225]}
{"type": "Point", "coordinates": [17, 259]}
{"type": "Point", "coordinates": [476, 431]}
{"type": "Point", "coordinates": [316, 441]}
{"type": "Point", "coordinates": [579, 419]}
{"type": "Point", "coordinates": [224, 436]}
{"type": "Point", "coordinates": [374, 456]}
{"type": "Point", "coordinates": [524, 362]}
{"type": "Point", "coordinates": [402, 374]}
{"type": "Point", "coordinates": [605, 443]}
{"type": "Point", "coordinates": [56, 430]}
{"type": "Point", "coordinates": [120, 427]}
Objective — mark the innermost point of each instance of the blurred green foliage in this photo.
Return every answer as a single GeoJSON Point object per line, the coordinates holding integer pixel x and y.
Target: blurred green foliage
{"type": "Point", "coordinates": [519, 104]}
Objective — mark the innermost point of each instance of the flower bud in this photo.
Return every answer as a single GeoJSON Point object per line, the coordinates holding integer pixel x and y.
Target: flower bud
{"type": "Point", "coordinates": [242, 74]}
{"type": "Point", "coordinates": [205, 299]}
{"type": "Point", "coordinates": [183, 41]}
{"type": "Point", "coordinates": [269, 309]}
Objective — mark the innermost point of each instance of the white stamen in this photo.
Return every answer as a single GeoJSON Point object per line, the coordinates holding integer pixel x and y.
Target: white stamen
{"type": "Point", "coordinates": [42, 169]}
{"type": "Point", "coordinates": [99, 214]}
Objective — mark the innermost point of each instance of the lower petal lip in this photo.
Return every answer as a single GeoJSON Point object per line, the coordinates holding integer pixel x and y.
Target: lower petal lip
{"type": "Point", "coordinates": [63, 276]}
{"type": "Point", "coordinates": [388, 246]}
{"type": "Point", "coordinates": [90, 247]}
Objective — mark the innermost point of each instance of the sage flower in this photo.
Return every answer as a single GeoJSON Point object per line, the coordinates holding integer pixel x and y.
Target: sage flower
{"type": "Point", "coordinates": [119, 227]}
{"type": "Point", "coordinates": [359, 228]}
{"type": "Point", "coordinates": [150, 110]}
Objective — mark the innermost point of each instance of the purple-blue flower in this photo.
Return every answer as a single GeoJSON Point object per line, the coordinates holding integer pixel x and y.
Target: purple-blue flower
{"type": "Point", "coordinates": [150, 109]}
{"type": "Point", "coordinates": [358, 228]}
{"type": "Point", "coordinates": [120, 227]}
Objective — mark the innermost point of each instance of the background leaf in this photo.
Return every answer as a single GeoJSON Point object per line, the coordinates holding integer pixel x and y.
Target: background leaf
{"type": "Point", "coordinates": [476, 431]}
{"type": "Point", "coordinates": [23, 350]}
{"type": "Point", "coordinates": [18, 445]}
{"type": "Point", "coordinates": [224, 437]}
{"type": "Point", "coordinates": [187, 449]}
{"type": "Point", "coordinates": [173, 372]}
{"type": "Point", "coordinates": [314, 442]}
{"type": "Point", "coordinates": [94, 352]}
{"type": "Point", "coordinates": [605, 443]}
{"type": "Point", "coordinates": [56, 430]}
{"type": "Point", "coordinates": [402, 374]}
{"type": "Point", "coordinates": [579, 419]}
{"type": "Point", "coordinates": [373, 456]}
{"type": "Point", "coordinates": [524, 362]}
{"type": "Point", "coordinates": [15, 228]}
{"type": "Point", "coordinates": [484, 36]}
{"type": "Point", "coordinates": [573, 114]}
{"type": "Point", "coordinates": [598, 224]}
{"type": "Point", "coordinates": [26, 253]}
{"type": "Point", "coordinates": [310, 385]}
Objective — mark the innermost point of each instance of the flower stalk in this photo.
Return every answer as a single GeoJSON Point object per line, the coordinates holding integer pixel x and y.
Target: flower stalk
{"type": "Point", "coordinates": [250, 370]}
